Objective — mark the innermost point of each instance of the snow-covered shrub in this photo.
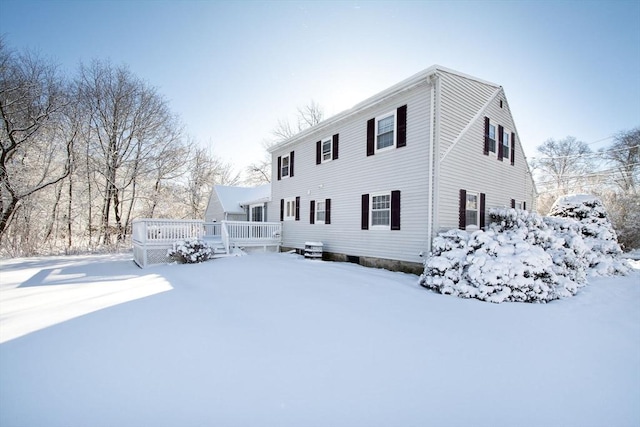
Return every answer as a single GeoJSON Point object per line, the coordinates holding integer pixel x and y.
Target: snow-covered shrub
{"type": "Point", "coordinates": [190, 251]}
{"type": "Point", "coordinates": [562, 243]}
{"type": "Point", "coordinates": [585, 214]}
{"type": "Point", "coordinates": [498, 265]}
{"type": "Point", "coordinates": [525, 257]}
{"type": "Point", "coordinates": [493, 266]}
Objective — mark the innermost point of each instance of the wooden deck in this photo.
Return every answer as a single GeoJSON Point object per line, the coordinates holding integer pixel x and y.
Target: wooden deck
{"type": "Point", "coordinates": [152, 238]}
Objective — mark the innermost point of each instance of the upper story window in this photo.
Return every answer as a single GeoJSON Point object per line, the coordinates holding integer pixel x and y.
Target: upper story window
{"type": "Point", "coordinates": [492, 138]}
{"type": "Point", "coordinates": [385, 131]}
{"type": "Point", "coordinates": [327, 149]}
{"type": "Point", "coordinates": [284, 169]}
{"type": "Point", "coordinates": [505, 144]}
{"type": "Point", "coordinates": [285, 165]}
{"type": "Point", "coordinates": [327, 152]}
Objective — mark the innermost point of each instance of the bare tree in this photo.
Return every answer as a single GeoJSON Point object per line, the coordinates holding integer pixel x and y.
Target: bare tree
{"type": "Point", "coordinates": [34, 154]}
{"type": "Point", "coordinates": [128, 120]}
{"type": "Point", "coordinates": [563, 164]}
{"type": "Point", "coordinates": [307, 116]}
{"type": "Point", "coordinates": [205, 171]}
{"type": "Point", "coordinates": [624, 157]}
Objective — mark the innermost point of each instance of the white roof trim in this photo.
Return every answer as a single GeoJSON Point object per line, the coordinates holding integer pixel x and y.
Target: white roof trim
{"type": "Point", "coordinates": [415, 80]}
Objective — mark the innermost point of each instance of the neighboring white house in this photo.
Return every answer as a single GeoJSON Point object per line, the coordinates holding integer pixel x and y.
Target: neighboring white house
{"type": "Point", "coordinates": [377, 182]}
{"type": "Point", "coordinates": [230, 203]}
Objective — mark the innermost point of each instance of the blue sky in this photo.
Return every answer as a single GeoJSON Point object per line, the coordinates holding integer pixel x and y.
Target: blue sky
{"type": "Point", "coordinates": [231, 70]}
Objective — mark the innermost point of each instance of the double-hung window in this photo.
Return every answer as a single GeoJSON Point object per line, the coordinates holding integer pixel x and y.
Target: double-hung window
{"type": "Point", "coordinates": [380, 210]}
{"type": "Point", "coordinates": [320, 212]}
{"type": "Point", "coordinates": [385, 131]}
{"type": "Point", "coordinates": [505, 144]}
{"type": "Point", "coordinates": [492, 138]}
{"type": "Point", "coordinates": [472, 211]}
{"type": "Point", "coordinates": [327, 151]}
{"type": "Point", "coordinates": [284, 167]}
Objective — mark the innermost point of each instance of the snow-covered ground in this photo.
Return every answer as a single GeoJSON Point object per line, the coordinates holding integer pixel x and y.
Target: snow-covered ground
{"type": "Point", "coordinates": [277, 340]}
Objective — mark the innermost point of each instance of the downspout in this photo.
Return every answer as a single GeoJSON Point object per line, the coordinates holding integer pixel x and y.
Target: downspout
{"type": "Point", "coordinates": [433, 117]}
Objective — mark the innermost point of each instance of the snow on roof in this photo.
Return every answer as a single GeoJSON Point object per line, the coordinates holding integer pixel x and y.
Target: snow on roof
{"type": "Point", "coordinates": [233, 198]}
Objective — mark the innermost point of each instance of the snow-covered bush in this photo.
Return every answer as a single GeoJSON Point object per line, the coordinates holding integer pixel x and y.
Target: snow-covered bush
{"type": "Point", "coordinates": [525, 257]}
{"type": "Point", "coordinates": [190, 251]}
{"type": "Point", "coordinates": [586, 215]}
{"type": "Point", "coordinates": [505, 263]}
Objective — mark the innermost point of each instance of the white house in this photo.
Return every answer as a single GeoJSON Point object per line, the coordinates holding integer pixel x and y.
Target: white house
{"type": "Point", "coordinates": [377, 182]}
{"type": "Point", "coordinates": [231, 203]}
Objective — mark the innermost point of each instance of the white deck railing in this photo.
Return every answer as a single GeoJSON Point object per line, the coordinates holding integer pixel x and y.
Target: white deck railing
{"type": "Point", "coordinates": [153, 237]}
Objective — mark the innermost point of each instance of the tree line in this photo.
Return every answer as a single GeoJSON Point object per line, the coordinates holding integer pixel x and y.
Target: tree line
{"type": "Point", "coordinates": [81, 156]}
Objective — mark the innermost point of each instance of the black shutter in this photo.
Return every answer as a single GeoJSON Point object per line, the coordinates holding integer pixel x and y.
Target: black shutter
{"type": "Point", "coordinates": [482, 216]}
{"type": "Point", "coordinates": [371, 137]}
{"type": "Point", "coordinates": [513, 203]}
{"type": "Point", "coordinates": [327, 211]}
{"type": "Point", "coordinates": [486, 136]}
{"type": "Point", "coordinates": [462, 210]}
{"type": "Point", "coordinates": [524, 205]}
{"type": "Point", "coordinates": [513, 148]}
{"type": "Point", "coordinates": [395, 210]}
{"type": "Point", "coordinates": [291, 164]}
{"type": "Point", "coordinates": [335, 147]}
{"type": "Point", "coordinates": [401, 140]}
{"type": "Point", "coordinates": [297, 208]}
{"type": "Point", "coordinates": [500, 151]}
{"type": "Point", "coordinates": [279, 167]}
{"type": "Point", "coordinates": [312, 212]}
{"type": "Point", "coordinates": [318, 152]}
{"type": "Point", "coordinates": [281, 209]}
{"type": "Point", "coordinates": [365, 212]}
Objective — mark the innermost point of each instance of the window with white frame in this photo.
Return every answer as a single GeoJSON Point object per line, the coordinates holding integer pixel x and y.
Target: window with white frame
{"type": "Point", "coordinates": [320, 212]}
{"type": "Point", "coordinates": [381, 210]}
{"type": "Point", "coordinates": [289, 209]}
{"type": "Point", "coordinates": [472, 211]}
{"type": "Point", "coordinates": [326, 150]}
{"type": "Point", "coordinates": [505, 144]}
{"type": "Point", "coordinates": [385, 131]}
{"type": "Point", "coordinates": [492, 138]}
{"type": "Point", "coordinates": [284, 168]}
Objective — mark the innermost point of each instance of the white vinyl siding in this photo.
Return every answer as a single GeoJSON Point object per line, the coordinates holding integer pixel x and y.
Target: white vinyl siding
{"type": "Point", "coordinates": [500, 181]}
{"type": "Point", "coordinates": [407, 170]}
{"type": "Point", "coordinates": [345, 181]}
